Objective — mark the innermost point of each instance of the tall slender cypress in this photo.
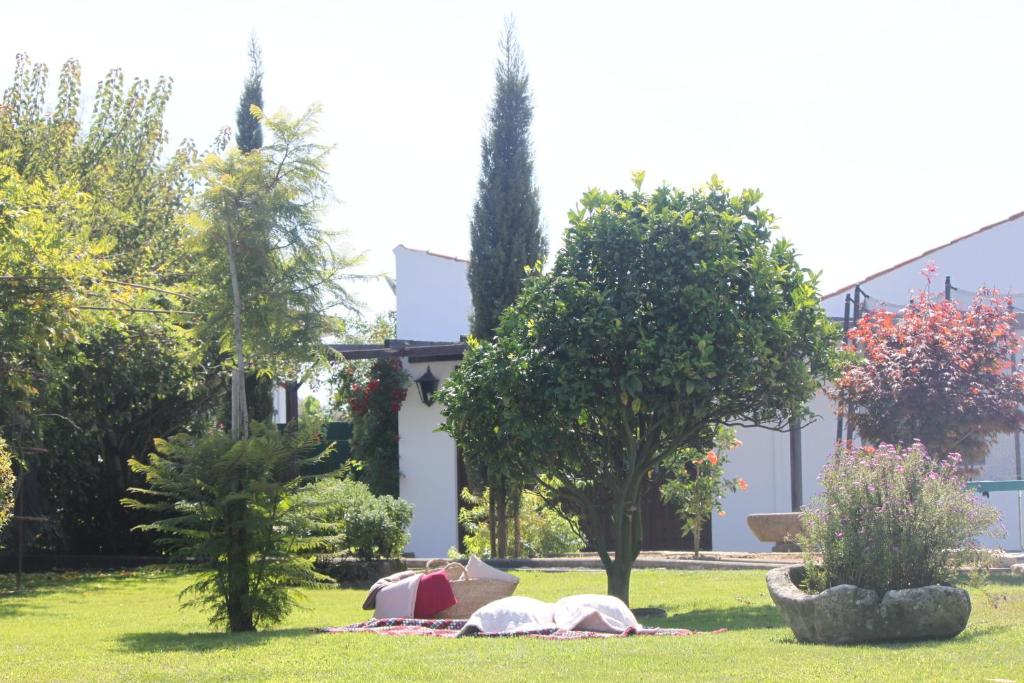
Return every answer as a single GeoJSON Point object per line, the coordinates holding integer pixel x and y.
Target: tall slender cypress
{"type": "Point", "coordinates": [506, 237]}
{"type": "Point", "coordinates": [505, 230]}
{"type": "Point", "coordinates": [249, 135]}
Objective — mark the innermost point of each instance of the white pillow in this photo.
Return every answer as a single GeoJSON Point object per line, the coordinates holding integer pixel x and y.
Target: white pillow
{"type": "Point", "coordinates": [514, 614]}
{"type": "Point", "coordinates": [478, 569]}
{"type": "Point", "coordinates": [603, 613]}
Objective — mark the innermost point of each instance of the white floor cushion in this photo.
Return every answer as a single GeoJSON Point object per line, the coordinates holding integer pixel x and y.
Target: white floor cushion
{"type": "Point", "coordinates": [603, 613]}
{"type": "Point", "coordinates": [514, 614]}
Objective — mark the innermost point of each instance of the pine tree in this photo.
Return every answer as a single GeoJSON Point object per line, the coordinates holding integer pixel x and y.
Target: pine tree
{"type": "Point", "coordinates": [250, 131]}
{"type": "Point", "coordinates": [505, 231]}
{"type": "Point", "coordinates": [506, 237]}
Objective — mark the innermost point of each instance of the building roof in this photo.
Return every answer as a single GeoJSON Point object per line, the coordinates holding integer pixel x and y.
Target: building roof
{"type": "Point", "coordinates": [435, 254]}
{"type": "Point", "coordinates": [869, 278]}
{"type": "Point", "coordinates": [415, 351]}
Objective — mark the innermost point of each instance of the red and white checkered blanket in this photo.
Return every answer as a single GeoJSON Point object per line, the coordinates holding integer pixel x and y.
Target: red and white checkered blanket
{"type": "Point", "coordinates": [449, 628]}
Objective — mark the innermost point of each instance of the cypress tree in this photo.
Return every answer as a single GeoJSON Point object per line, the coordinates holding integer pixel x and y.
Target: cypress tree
{"type": "Point", "coordinates": [506, 237]}
{"type": "Point", "coordinates": [505, 230]}
{"type": "Point", "coordinates": [249, 135]}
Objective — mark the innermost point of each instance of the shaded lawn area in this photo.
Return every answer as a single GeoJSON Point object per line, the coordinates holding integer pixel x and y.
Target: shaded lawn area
{"type": "Point", "coordinates": [127, 626]}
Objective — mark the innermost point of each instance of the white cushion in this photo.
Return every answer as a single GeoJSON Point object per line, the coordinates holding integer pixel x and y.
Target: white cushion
{"type": "Point", "coordinates": [603, 613]}
{"type": "Point", "coordinates": [514, 614]}
{"type": "Point", "coordinates": [478, 569]}
{"type": "Point", "coordinates": [398, 599]}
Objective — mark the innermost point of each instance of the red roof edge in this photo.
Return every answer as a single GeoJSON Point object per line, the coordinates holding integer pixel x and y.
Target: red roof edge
{"type": "Point", "coordinates": [431, 253]}
{"type": "Point", "coordinates": [921, 255]}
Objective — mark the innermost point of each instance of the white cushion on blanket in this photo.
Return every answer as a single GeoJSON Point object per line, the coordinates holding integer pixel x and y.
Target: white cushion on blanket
{"type": "Point", "coordinates": [603, 613]}
{"type": "Point", "coordinates": [478, 569]}
{"type": "Point", "coordinates": [514, 614]}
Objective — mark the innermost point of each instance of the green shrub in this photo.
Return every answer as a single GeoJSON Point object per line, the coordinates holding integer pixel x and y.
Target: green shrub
{"type": "Point", "coordinates": [545, 532]}
{"type": "Point", "coordinates": [891, 518]}
{"type": "Point", "coordinates": [232, 507]}
{"type": "Point", "coordinates": [6, 484]}
{"type": "Point", "coordinates": [369, 526]}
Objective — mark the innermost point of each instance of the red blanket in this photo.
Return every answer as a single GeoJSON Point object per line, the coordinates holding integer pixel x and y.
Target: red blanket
{"type": "Point", "coordinates": [449, 628]}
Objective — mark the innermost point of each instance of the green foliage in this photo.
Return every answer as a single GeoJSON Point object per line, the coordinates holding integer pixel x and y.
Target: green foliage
{"type": "Point", "coordinates": [6, 483]}
{"type": "Point", "coordinates": [234, 507]}
{"type": "Point", "coordinates": [373, 396]}
{"type": "Point", "coordinates": [696, 484]}
{"type": "Point", "coordinates": [249, 135]}
{"type": "Point", "coordinates": [505, 231]}
{"type": "Point", "coordinates": [96, 341]}
{"type": "Point", "coordinates": [545, 533]}
{"type": "Point", "coordinates": [891, 518]}
{"type": "Point", "coordinates": [665, 316]}
{"type": "Point", "coordinates": [267, 206]}
{"type": "Point", "coordinates": [370, 527]}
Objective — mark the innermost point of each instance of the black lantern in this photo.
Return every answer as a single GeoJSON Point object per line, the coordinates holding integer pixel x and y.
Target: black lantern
{"type": "Point", "coordinates": [427, 384]}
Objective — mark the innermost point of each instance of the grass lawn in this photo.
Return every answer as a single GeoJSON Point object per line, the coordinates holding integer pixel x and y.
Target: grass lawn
{"type": "Point", "coordinates": [127, 626]}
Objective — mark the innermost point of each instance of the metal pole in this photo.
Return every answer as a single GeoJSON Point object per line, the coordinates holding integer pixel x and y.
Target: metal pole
{"type": "Point", "coordinates": [796, 468]}
{"type": "Point", "coordinates": [18, 505]}
{"type": "Point", "coordinates": [857, 294]}
{"type": "Point", "coordinates": [846, 330]}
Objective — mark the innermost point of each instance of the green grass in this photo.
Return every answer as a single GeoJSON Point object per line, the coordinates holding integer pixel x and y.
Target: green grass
{"type": "Point", "coordinates": [127, 626]}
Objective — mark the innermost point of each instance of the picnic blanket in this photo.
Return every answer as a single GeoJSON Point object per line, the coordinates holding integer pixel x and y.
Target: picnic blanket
{"type": "Point", "coordinates": [449, 628]}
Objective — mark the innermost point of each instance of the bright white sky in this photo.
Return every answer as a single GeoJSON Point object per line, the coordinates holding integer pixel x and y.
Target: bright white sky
{"type": "Point", "coordinates": [875, 130]}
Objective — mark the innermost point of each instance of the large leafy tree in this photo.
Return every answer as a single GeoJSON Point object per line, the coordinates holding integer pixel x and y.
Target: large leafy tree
{"type": "Point", "coordinates": [506, 235]}
{"type": "Point", "coordinates": [90, 265]}
{"type": "Point", "coordinates": [273, 277]}
{"type": "Point", "coordinates": [935, 373]}
{"type": "Point", "coordinates": [665, 316]}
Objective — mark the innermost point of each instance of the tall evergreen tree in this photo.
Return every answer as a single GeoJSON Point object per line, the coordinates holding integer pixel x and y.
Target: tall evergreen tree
{"type": "Point", "coordinates": [505, 231]}
{"type": "Point", "coordinates": [250, 132]}
{"type": "Point", "coordinates": [506, 237]}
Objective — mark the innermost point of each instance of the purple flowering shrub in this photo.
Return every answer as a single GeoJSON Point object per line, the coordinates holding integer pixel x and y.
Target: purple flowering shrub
{"type": "Point", "coordinates": [891, 518]}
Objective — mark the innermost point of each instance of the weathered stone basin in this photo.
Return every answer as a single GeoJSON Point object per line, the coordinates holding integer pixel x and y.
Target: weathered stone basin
{"type": "Point", "coordinates": [848, 614]}
{"type": "Point", "coordinates": [779, 528]}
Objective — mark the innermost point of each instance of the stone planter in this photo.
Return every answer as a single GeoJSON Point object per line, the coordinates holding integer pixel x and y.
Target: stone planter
{"type": "Point", "coordinates": [848, 614]}
{"type": "Point", "coordinates": [779, 528]}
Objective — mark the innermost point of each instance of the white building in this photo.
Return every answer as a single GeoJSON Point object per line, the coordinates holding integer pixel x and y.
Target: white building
{"type": "Point", "coordinates": [433, 310]}
{"type": "Point", "coordinates": [987, 258]}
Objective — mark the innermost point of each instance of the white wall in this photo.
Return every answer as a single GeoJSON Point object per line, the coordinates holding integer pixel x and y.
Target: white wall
{"type": "Point", "coordinates": [433, 300]}
{"type": "Point", "coordinates": [763, 461]}
{"type": "Point", "coordinates": [427, 470]}
{"type": "Point", "coordinates": [989, 258]}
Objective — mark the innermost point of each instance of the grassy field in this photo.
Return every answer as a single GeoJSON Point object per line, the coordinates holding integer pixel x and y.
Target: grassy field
{"type": "Point", "coordinates": [127, 626]}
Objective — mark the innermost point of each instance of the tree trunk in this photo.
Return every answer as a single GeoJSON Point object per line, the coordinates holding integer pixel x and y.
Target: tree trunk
{"type": "Point", "coordinates": [239, 406]}
{"type": "Point", "coordinates": [696, 541]}
{"type": "Point", "coordinates": [517, 508]}
{"type": "Point", "coordinates": [500, 526]}
{"type": "Point", "coordinates": [618, 578]}
{"type": "Point", "coordinates": [239, 606]}
{"type": "Point", "coordinates": [491, 516]}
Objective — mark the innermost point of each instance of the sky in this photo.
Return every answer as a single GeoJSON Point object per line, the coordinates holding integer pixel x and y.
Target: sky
{"type": "Point", "coordinates": [874, 130]}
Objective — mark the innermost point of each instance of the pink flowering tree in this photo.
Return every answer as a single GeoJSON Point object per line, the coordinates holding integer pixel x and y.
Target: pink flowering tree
{"type": "Point", "coordinates": [935, 373]}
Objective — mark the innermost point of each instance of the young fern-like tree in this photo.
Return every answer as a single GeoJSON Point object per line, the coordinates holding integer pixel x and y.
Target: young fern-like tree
{"type": "Point", "coordinates": [233, 507]}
